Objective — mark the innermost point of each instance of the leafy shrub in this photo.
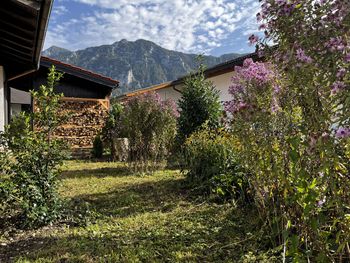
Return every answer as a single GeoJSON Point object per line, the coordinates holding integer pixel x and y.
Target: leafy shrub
{"type": "Point", "coordinates": [32, 158]}
{"type": "Point", "coordinates": [113, 129]}
{"type": "Point", "coordinates": [150, 126]}
{"type": "Point", "coordinates": [199, 103]}
{"type": "Point", "coordinates": [97, 150]}
{"type": "Point", "coordinates": [210, 157]}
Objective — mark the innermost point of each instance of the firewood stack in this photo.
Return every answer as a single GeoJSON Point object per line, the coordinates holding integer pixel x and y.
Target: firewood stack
{"type": "Point", "coordinates": [84, 119]}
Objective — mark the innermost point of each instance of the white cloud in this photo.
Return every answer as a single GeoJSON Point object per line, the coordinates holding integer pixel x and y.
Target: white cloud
{"type": "Point", "coordinates": [183, 25]}
{"type": "Point", "coordinates": [59, 10]}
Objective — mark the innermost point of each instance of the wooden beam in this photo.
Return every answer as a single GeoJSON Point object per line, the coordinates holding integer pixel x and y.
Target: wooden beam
{"type": "Point", "coordinates": [13, 28]}
{"type": "Point", "coordinates": [33, 6]}
{"type": "Point", "coordinates": [11, 36]}
{"type": "Point", "coordinates": [15, 51]}
{"type": "Point", "coordinates": [18, 16]}
{"type": "Point", "coordinates": [20, 58]}
{"type": "Point", "coordinates": [17, 46]}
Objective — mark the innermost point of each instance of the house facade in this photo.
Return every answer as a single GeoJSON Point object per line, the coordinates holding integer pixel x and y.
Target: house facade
{"type": "Point", "coordinates": [23, 25]}
{"type": "Point", "coordinates": [219, 75]}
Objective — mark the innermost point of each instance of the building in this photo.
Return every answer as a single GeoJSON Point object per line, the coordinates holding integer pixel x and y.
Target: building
{"type": "Point", "coordinates": [23, 25]}
{"type": "Point", "coordinates": [86, 99]}
{"type": "Point", "coordinates": [220, 75]}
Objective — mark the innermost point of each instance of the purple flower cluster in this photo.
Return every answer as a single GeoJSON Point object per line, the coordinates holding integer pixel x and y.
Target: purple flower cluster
{"type": "Point", "coordinates": [341, 73]}
{"type": "Point", "coordinates": [258, 72]}
{"type": "Point", "coordinates": [253, 39]}
{"type": "Point", "coordinates": [338, 10]}
{"type": "Point", "coordinates": [342, 132]}
{"type": "Point", "coordinates": [251, 73]}
{"type": "Point", "coordinates": [170, 105]}
{"type": "Point", "coordinates": [335, 44]}
{"type": "Point", "coordinates": [155, 99]}
{"type": "Point", "coordinates": [338, 86]}
{"type": "Point", "coordinates": [302, 57]}
{"type": "Point", "coordinates": [286, 7]}
{"type": "Point", "coordinates": [347, 58]}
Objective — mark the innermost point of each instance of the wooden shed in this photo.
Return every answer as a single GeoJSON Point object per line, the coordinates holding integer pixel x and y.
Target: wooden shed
{"type": "Point", "coordinates": [86, 99]}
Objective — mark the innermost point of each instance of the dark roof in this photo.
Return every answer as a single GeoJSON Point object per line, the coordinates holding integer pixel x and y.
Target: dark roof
{"type": "Point", "coordinates": [23, 25]}
{"type": "Point", "coordinates": [76, 82]}
{"type": "Point", "coordinates": [217, 70]}
{"type": "Point", "coordinates": [79, 72]}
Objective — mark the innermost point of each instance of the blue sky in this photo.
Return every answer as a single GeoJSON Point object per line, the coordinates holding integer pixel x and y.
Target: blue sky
{"type": "Point", "coordinates": [213, 27]}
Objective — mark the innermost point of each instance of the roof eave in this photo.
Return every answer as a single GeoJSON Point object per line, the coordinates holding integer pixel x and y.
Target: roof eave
{"type": "Point", "coordinates": [45, 12]}
{"type": "Point", "coordinates": [47, 62]}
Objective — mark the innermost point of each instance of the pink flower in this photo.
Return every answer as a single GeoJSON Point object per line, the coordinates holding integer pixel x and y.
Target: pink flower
{"type": "Point", "coordinates": [253, 39]}
{"type": "Point", "coordinates": [259, 17]}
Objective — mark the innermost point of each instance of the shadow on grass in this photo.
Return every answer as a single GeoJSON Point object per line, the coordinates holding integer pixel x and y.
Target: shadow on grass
{"type": "Point", "coordinates": [134, 199]}
{"type": "Point", "coordinates": [158, 221]}
{"type": "Point", "coordinates": [197, 236]}
{"type": "Point", "coordinates": [98, 172]}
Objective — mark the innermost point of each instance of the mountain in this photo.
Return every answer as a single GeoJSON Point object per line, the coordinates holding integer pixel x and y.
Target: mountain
{"type": "Point", "coordinates": [137, 64]}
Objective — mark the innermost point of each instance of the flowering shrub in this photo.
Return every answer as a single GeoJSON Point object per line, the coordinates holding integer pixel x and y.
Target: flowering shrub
{"type": "Point", "coordinates": [293, 126]}
{"type": "Point", "coordinates": [150, 126]}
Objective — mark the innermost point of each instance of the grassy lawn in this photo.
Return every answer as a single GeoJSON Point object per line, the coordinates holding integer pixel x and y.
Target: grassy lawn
{"type": "Point", "coordinates": [151, 218]}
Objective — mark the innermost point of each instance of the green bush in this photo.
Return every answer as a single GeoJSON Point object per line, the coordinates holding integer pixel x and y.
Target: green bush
{"type": "Point", "coordinates": [97, 150]}
{"type": "Point", "coordinates": [113, 129]}
{"type": "Point", "coordinates": [199, 103]}
{"type": "Point", "coordinates": [31, 159]}
{"type": "Point", "coordinates": [211, 161]}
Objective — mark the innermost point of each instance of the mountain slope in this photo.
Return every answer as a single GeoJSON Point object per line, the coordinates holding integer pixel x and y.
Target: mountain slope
{"type": "Point", "coordinates": [136, 64]}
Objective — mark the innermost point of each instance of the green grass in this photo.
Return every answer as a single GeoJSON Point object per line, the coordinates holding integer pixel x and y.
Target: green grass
{"type": "Point", "coordinates": [153, 218]}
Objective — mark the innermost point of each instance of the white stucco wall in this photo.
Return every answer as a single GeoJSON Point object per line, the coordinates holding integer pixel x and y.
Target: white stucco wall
{"type": "Point", "coordinates": [169, 93]}
{"type": "Point", "coordinates": [221, 83]}
{"type": "Point", "coordinates": [2, 99]}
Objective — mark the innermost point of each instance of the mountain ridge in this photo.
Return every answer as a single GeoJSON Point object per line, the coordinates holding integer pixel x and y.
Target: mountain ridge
{"type": "Point", "coordinates": [136, 64]}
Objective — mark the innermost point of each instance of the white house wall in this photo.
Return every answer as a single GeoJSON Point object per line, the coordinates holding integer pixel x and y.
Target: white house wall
{"type": "Point", "coordinates": [169, 93]}
{"type": "Point", "coordinates": [2, 99]}
{"type": "Point", "coordinates": [221, 83]}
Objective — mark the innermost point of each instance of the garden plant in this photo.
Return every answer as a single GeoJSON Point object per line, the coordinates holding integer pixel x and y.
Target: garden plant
{"type": "Point", "coordinates": [31, 159]}
{"type": "Point", "coordinates": [291, 118]}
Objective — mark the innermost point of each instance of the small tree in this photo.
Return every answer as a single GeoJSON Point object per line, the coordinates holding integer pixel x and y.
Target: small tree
{"type": "Point", "coordinates": [199, 104]}
{"type": "Point", "coordinates": [33, 156]}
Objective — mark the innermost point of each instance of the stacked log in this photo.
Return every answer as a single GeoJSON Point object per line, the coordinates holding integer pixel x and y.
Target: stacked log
{"type": "Point", "coordinates": [84, 119]}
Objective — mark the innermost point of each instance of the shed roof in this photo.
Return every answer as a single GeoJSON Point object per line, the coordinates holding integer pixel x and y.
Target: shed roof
{"type": "Point", "coordinates": [79, 72]}
{"type": "Point", "coordinates": [73, 77]}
